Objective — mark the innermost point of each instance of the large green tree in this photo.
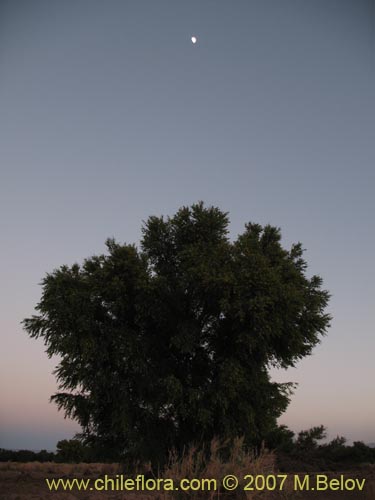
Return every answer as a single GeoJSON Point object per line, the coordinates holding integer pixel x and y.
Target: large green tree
{"type": "Point", "coordinates": [171, 343]}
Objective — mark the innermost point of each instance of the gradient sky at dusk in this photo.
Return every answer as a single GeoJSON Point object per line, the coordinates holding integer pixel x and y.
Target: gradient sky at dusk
{"type": "Point", "coordinates": [109, 114]}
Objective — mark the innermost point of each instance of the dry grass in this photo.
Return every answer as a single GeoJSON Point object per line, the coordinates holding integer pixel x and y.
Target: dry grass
{"type": "Point", "coordinates": [195, 464]}
{"type": "Point", "coordinates": [61, 470]}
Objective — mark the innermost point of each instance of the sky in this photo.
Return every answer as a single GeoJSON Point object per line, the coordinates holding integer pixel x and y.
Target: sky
{"type": "Point", "coordinates": [109, 114]}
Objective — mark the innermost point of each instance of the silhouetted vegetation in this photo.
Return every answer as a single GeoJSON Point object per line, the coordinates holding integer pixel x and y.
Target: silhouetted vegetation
{"type": "Point", "coordinates": [292, 452]}
{"type": "Point", "coordinates": [304, 449]}
{"type": "Point", "coordinates": [26, 456]}
{"type": "Point", "coordinates": [170, 344]}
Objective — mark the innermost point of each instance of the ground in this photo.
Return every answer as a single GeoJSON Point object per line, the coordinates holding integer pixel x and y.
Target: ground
{"type": "Point", "coordinates": [27, 481]}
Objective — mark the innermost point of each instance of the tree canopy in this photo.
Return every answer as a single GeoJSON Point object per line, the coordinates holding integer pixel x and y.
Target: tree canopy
{"type": "Point", "coordinates": [170, 343]}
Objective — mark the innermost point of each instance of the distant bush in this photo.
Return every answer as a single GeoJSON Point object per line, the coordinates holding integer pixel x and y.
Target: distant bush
{"type": "Point", "coordinates": [71, 451]}
{"type": "Point", "coordinates": [26, 456]}
{"type": "Point", "coordinates": [306, 448]}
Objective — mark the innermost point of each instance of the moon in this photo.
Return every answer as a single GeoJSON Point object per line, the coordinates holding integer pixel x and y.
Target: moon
{"type": "Point", "coordinates": [194, 39]}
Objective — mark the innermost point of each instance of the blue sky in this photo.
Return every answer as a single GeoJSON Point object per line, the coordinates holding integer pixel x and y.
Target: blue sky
{"type": "Point", "coordinates": [110, 114]}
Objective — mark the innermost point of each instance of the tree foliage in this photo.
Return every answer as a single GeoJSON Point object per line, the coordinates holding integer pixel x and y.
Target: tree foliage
{"type": "Point", "coordinates": [304, 452]}
{"type": "Point", "coordinates": [71, 451]}
{"type": "Point", "coordinates": [26, 456]}
{"type": "Point", "coordinates": [171, 343]}
{"type": "Point", "coordinates": [308, 440]}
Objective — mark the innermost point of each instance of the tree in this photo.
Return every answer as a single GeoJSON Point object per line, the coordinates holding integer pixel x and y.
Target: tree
{"type": "Point", "coordinates": [307, 441]}
{"type": "Point", "coordinates": [280, 438]}
{"type": "Point", "coordinates": [71, 450]}
{"type": "Point", "coordinates": [171, 343]}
